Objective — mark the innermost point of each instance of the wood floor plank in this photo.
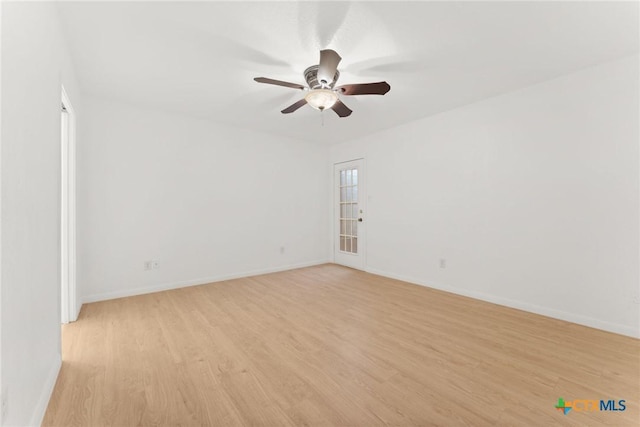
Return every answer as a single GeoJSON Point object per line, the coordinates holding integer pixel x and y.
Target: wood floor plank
{"type": "Point", "coordinates": [328, 345]}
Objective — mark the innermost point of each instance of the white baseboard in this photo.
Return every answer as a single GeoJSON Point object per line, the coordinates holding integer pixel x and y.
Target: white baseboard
{"type": "Point", "coordinates": [520, 305]}
{"type": "Point", "coordinates": [78, 308]}
{"type": "Point", "coordinates": [45, 395]}
{"type": "Point", "coordinates": [193, 282]}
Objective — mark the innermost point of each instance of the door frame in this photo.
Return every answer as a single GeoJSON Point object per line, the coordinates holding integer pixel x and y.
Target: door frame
{"type": "Point", "coordinates": [68, 297]}
{"type": "Point", "coordinates": [335, 212]}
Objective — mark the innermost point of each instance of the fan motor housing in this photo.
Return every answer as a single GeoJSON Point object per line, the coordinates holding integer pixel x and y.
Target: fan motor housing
{"type": "Point", "coordinates": [311, 76]}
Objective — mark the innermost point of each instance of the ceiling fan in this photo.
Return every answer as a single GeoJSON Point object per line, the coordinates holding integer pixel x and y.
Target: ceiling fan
{"type": "Point", "coordinates": [322, 93]}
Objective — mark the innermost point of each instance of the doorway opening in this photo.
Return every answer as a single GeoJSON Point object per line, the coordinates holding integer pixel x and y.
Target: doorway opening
{"type": "Point", "coordinates": [68, 299]}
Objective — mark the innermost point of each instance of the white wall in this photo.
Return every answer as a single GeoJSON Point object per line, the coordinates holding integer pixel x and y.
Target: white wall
{"type": "Point", "coordinates": [205, 201]}
{"type": "Point", "coordinates": [1, 386]}
{"type": "Point", "coordinates": [34, 65]}
{"type": "Point", "coordinates": [531, 197]}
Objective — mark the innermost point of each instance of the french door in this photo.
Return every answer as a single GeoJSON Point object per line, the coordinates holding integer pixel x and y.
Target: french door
{"type": "Point", "coordinates": [349, 221]}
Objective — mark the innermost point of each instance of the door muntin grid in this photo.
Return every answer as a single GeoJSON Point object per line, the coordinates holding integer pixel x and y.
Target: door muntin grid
{"type": "Point", "coordinates": [349, 211]}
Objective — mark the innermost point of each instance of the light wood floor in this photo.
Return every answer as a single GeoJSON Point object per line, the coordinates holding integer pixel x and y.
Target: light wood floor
{"type": "Point", "coordinates": [328, 345]}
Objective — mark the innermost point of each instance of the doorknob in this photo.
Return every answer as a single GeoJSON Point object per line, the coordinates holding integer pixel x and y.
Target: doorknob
{"type": "Point", "coordinates": [359, 219]}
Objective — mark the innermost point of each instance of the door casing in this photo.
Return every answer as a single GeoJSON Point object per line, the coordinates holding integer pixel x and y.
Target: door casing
{"type": "Point", "coordinates": [357, 261]}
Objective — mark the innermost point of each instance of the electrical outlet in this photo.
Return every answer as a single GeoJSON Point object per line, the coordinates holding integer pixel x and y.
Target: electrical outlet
{"type": "Point", "coordinates": [155, 265]}
{"type": "Point", "coordinates": [443, 263]}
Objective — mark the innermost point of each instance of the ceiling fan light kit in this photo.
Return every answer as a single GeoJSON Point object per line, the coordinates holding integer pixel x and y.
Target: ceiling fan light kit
{"type": "Point", "coordinates": [321, 80]}
{"type": "Point", "coordinates": [321, 99]}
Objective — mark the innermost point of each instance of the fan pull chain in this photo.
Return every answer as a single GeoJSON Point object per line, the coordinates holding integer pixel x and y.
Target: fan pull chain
{"type": "Point", "coordinates": [322, 118]}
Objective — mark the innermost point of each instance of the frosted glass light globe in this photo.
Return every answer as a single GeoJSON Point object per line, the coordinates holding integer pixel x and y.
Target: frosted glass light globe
{"type": "Point", "coordinates": [321, 99]}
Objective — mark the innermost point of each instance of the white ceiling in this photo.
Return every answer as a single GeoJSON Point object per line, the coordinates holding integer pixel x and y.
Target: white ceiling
{"type": "Point", "coordinates": [199, 58]}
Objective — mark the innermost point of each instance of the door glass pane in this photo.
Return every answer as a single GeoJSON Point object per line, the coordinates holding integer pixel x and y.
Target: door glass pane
{"type": "Point", "coordinates": [349, 211]}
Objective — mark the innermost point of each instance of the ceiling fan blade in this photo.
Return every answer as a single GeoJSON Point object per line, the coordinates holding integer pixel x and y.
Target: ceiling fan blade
{"type": "Point", "coordinates": [329, 60]}
{"type": "Point", "coordinates": [294, 107]}
{"type": "Point", "coordinates": [379, 88]}
{"type": "Point", "coordinates": [278, 83]}
{"type": "Point", "coordinates": [341, 109]}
